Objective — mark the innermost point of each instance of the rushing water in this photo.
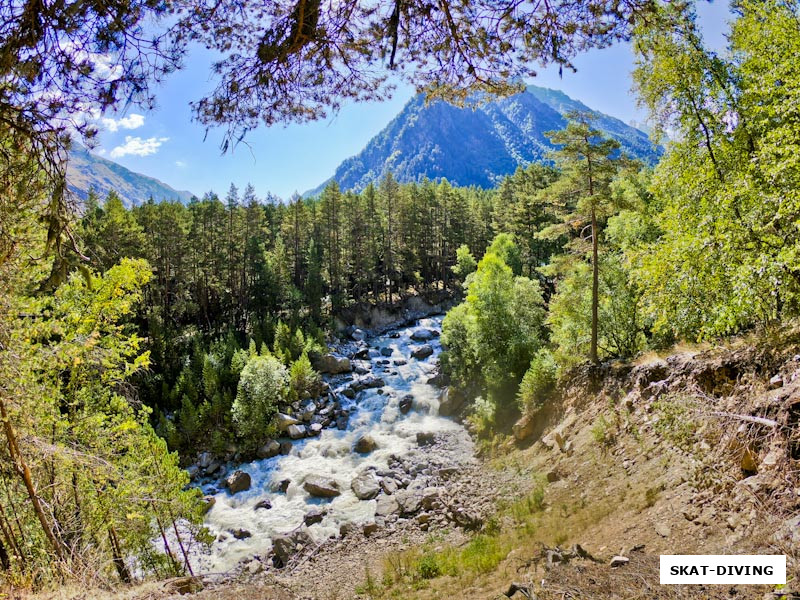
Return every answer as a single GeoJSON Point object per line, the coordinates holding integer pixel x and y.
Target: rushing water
{"type": "Point", "coordinates": [331, 455]}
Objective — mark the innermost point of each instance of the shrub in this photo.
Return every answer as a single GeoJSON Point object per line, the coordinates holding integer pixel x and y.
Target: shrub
{"type": "Point", "coordinates": [304, 381]}
{"type": "Point", "coordinates": [539, 382]}
{"type": "Point", "coordinates": [262, 386]}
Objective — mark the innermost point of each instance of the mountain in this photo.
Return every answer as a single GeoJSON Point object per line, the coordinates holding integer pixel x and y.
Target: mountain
{"type": "Point", "coordinates": [475, 146]}
{"type": "Point", "coordinates": [87, 171]}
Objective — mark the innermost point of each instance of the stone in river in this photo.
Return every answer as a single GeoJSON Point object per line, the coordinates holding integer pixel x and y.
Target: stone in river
{"type": "Point", "coordinates": [365, 486]}
{"type": "Point", "coordinates": [320, 486]}
{"type": "Point", "coordinates": [422, 352]}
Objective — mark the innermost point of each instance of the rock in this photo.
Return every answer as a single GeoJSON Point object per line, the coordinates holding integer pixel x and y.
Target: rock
{"type": "Point", "coordinates": [254, 567]}
{"type": "Point", "coordinates": [213, 467]}
{"type": "Point", "coordinates": [208, 503]}
{"type": "Point", "coordinates": [372, 381]}
{"type": "Point", "coordinates": [386, 351]}
{"type": "Point", "coordinates": [283, 422]}
{"type": "Point", "coordinates": [387, 505]}
{"type": "Point", "coordinates": [365, 444]}
{"type": "Point", "coordinates": [314, 516]}
{"type": "Point", "coordinates": [308, 410]}
{"type": "Point", "coordinates": [238, 481]}
{"type": "Point", "coordinates": [193, 471]}
{"type": "Point", "coordinates": [264, 504]}
{"type": "Point", "coordinates": [662, 529]}
{"type": "Point", "coordinates": [446, 472]}
{"type": "Point", "coordinates": [430, 497]}
{"type": "Point", "coordinates": [553, 476]}
{"type": "Point", "coordinates": [524, 428]}
{"type": "Point", "coordinates": [204, 460]}
{"type": "Point", "coordinates": [358, 335]}
{"type": "Point", "coordinates": [405, 404]}
{"type": "Point", "coordinates": [399, 362]}
{"type": "Point", "coordinates": [348, 392]}
{"type": "Point", "coordinates": [183, 585]}
{"type": "Point", "coordinates": [422, 352]}
{"type": "Point", "coordinates": [365, 486]}
{"type": "Point", "coordinates": [315, 429]}
{"type": "Point", "coordinates": [776, 381]}
{"type": "Point", "coordinates": [268, 450]}
{"type": "Point", "coordinates": [320, 486]}
{"type": "Point", "coordinates": [296, 431]}
{"type": "Point", "coordinates": [619, 561]}
{"type": "Point", "coordinates": [772, 457]}
{"type": "Point", "coordinates": [748, 462]}
{"type": "Point", "coordinates": [369, 528]}
{"type": "Point", "coordinates": [284, 547]}
{"type": "Point", "coordinates": [240, 534]}
{"type": "Point", "coordinates": [410, 501]}
{"type": "Point", "coordinates": [422, 335]}
{"type": "Point", "coordinates": [450, 401]}
{"type": "Point", "coordinates": [331, 363]}
{"type": "Point", "coordinates": [341, 421]}
{"type": "Point", "coordinates": [280, 486]}
{"type": "Point", "coordinates": [425, 438]}
{"type": "Point", "coordinates": [347, 529]}
{"type": "Point", "coordinates": [286, 447]}
{"type": "Point", "coordinates": [389, 486]}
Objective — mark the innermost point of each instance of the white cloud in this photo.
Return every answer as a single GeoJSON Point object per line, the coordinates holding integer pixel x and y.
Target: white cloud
{"type": "Point", "coordinates": [138, 146]}
{"type": "Point", "coordinates": [180, 164]}
{"type": "Point", "coordinates": [101, 151]}
{"type": "Point", "coordinates": [133, 121]}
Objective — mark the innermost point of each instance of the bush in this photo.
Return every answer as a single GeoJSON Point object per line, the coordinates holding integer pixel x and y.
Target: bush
{"type": "Point", "coordinates": [304, 381]}
{"type": "Point", "coordinates": [263, 384]}
{"type": "Point", "coordinates": [539, 382]}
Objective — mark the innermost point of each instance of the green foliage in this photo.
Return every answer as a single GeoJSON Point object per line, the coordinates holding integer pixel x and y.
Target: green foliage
{"type": "Point", "coordinates": [491, 338]}
{"type": "Point", "coordinates": [465, 262]}
{"type": "Point", "coordinates": [539, 382]}
{"type": "Point", "coordinates": [304, 381]}
{"type": "Point", "coordinates": [262, 386]}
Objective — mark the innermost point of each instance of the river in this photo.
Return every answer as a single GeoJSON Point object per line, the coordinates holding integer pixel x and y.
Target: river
{"type": "Point", "coordinates": [373, 411]}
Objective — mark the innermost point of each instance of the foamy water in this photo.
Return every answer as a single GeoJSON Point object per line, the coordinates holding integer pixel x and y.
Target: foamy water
{"type": "Point", "coordinates": [331, 455]}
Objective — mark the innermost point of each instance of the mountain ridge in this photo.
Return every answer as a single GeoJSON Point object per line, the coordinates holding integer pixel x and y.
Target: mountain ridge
{"type": "Point", "coordinates": [475, 145]}
{"type": "Point", "coordinates": [87, 171]}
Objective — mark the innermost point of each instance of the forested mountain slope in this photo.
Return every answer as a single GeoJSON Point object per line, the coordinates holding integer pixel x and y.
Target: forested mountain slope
{"type": "Point", "coordinates": [476, 146]}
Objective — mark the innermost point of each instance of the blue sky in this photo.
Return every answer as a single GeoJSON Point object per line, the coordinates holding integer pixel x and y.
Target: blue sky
{"type": "Point", "coordinates": [165, 144]}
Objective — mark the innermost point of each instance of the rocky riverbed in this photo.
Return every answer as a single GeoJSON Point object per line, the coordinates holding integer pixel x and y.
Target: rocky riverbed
{"type": "Point", "coordinates": [370, 457]}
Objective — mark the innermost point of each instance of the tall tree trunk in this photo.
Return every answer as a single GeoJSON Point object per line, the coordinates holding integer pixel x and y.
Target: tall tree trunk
{"type": "Point", "coordinates": [25, 474]}
{"type": "Point", "coordinates": [595, 288]}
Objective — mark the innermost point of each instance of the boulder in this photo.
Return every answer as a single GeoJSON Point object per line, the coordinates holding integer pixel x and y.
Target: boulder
{"type": "Point", "coordinates": [387, 505]}
{"type": "Point", "coordinates": [776, 381]}
{"type": "Point", "coordinates": [341, 421]}
{"type": "Point", "coordinates": [240, 534]}
{"type": "Point", "coordinates": [422, 352]}
{"type": "Point", "coordinates": [307, 411]}
{"type": "Point", "coordinates": [451, 401]}
{"type": "Point", "coordinates": [399, 362]}
{"type": "Point", "coordinates": [365, 486]}
{"type": "Point", "coordinates": [410, 501]}
{"type": "Point", "coordinates": [423, 335]}
{"type": "Point", "coordinates": [268, 450]}
{"type": "Point", "coordinates": [365, 444]}
{"type": "Point", "coordinates": [405, 404]}
{"type": "Point", "coordinates": [425, 438]}
{"type": "Point", "coordinates": [296, 431]}
{"type": "Point", "coordinates": [430, 497]}
{"type": "Point", "coordinates": [369, 528]}
{"type": "Point", "coordinates": [314, 516]}
{"type": "Point", "coordinates": [371, 381]}
{"type": "Point", "coordinates": [204, 460]}
{"type": "Point", "coordinates": [279, 486]}
{"type": "Point", "coordinates": [359, 335]}
{"type": "Point", "coordinates": [620, 561]}
{"type": "Point", "coordinates": [238, 481]}
{"type": "Point", "coordinates": [315, 429]}
{"type": "Point", "coordinates": [348, 392]}
{"type": "Point", "coordinates": [320, 486]}
{"type": "Point", "coordinates": [263, 504]}
{"type": "Point", "coordinates": [284, 547]}
{"type": "Point", "coordinates": [388, 485]}
{"type": "Point", "coordinates": [385, 351]}
{"type": "Point", "coordinates": [524, 428]}
{"type": "Point", "coordinates": [193, 471]}
{"type": "Point", "coordinates": [331, 363]}
{"type": "Point", "coordinates": [254, 567]}
{"type": "Point", "coordinates": [286, 447]}
{"type": "Point", "coordinates": [283, 422]}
